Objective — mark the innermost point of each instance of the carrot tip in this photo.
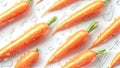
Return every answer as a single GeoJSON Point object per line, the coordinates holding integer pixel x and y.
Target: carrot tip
{"type": "Point", "coordinates": [39, 1]}
{"type": "Point", "coordinates": [91, 47]}
{"type": "Point", "coordinates": [54, 32]}
{"type": "Point", "coordinates": [45, 13]}
{"type": "Point", "coordinates": [46, 65]}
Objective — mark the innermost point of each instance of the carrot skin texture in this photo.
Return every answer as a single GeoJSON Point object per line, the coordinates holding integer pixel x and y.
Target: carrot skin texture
{"type": "Point", "coordinates": [107, 33]}
{"type": "Point", "coordinates": [28, 59]}
{"type": "Point", "coordinates": [115, 61]}
{"type": "Point", "coordinates": [58, 5]}
{"type": "Point", "coordinates": [36, 32]}
{"type": "Point", "coordinates": [88, 11]}
{"type": "Point", "coordinates": [74, 41]}
{"type": "Point", "coordinates": [81, 59]}
{"type": "Point", "coordinates": [14, 12]}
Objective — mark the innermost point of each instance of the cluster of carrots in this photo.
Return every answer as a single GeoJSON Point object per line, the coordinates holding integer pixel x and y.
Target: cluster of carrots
{"type": "Point", "coordinates": [76, 40]}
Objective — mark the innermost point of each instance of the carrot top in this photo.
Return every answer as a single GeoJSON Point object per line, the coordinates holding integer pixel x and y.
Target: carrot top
{"type": "Point", "coordinates": [37, 49]}
{"type": "Point", "coordinates": [30, 1]}
{"type": "Point", "coordinates": [53, 19]}
{"type": "Point", "coordinates": [105, 1]}
{"type": "Point", "coordinates": [100, 51]}
{"type": "Point", "coordinates": [92, 26]}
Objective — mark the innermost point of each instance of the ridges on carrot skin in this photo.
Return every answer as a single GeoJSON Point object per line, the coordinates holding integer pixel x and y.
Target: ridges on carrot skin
{"type": "Point", "coordinates": [58, 5]}
{"type": "Point", "coordinates": [82, 59]}
{"type": "Point", "coordinates": [107, 33]}
{"type": "Point", "coordinates": [14, 12]}
{"type": "Point", "coordinates": [36, 32]}
{"type": "Point", "coordinates": [84, 13]}
{"type": "Point", "coordinates": [28, 59]}
{"type": "Point", "coordinates": [115, 61]}
{"type": "Point", "coordinates": [74, 41]}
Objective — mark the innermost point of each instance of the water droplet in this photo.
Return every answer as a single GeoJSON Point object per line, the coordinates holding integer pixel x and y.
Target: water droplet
{"type": "Point", "coordinates": [108, 15]}
{"type": "Point", "coordinates": [3, 3]}
{"type": "Point", "coordinates": [7, 63]}
{"type": "Point", "coordinates": [75, 6]}
{"type": "Point", "coordinates": [63, 15]}
{"type": "Point", "coordinates": [59, 41]}
{"type": "Point", "coordinates": [117, 42]}
{"type": "Point", "coordinates": [118, 2]}
{"type": "Point", "coordinates": [12, 30]}
{"type": "Point", "coordinates": [50, 48]}
{"type": "Point", "coordinates": [43, 7]}
{"type": "Point", "coordinates": [33, 18]}
{"type": "Point", "coordinates": [22, 24]}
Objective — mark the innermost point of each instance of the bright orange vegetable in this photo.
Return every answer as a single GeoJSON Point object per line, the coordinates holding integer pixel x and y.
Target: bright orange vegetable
{"type": "Point", "coordinates": [73, 42]}
{"type": "Point", "coordinates": [107, 33]}
{"type": "Point", "coordinates": [36, 32]}
{"type": "Point", "coordinates": [83, 59]}
{"type": "Point", "coordinates": [15, 11]}
{"type": "Point", "coordinates": [28, 59]}
{"type": "Point", "coordinates": [115, 61]}
{"type": "Point", "coordinates": [86, 12]}
{"type": "Point", "coordinates": [59, 4]}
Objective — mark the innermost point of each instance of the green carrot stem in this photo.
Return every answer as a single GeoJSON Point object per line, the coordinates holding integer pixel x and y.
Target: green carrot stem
{"type": "Point", "coordinates": [53, 19]}
{"type": "Point", "coordinates": [105, 1]}
{"type": "Point", "coordinates": [30, 1]}
{"type": "Point", "coordinates": [92, 26]}
{"type": "Point", "coordinates": [37, 49]}
{"type": "Point", "coordinates": [101, 51]}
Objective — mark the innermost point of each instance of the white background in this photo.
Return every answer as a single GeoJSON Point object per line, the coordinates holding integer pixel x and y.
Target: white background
{"type": "Point", "coordinates": [48, 45]}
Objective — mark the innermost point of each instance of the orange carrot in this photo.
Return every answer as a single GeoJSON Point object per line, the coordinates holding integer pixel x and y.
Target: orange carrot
{"type": "Point", "coordinates": [83, 59]}
{"type": "Point", "coordinates": [36, 32]}
{"type": "Point", "coordinates": [107, 33]}
{"type": "Point", "coordinates": [88, 11]}
{"type": "Point", "coordinates": [28, 59]}
{"type": "Point", "coordinates": [59, 4]}
{"type": "Point", "coordinates": [115, 61]}
{"type": "Point", "coordinates": [73, 42]}
{"type": "Point", "coordinates": [14, 12]}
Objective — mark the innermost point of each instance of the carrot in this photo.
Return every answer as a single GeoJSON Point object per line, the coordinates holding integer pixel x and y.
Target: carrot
{"type": "Point", "coordinates": [39, 1]}
{"type": "Point", "coordinates": [83, 59]}
{"type": "Point", "coordinates": [28, 59]}
{"type": "Point", "coordinates": [107, 33]}
{"type": "Point", "coordinates": [88, 11]}
{"type": "Point", "coordinates": [115, 61]}
{"type": "Point", "coordinates": [73, 42]}
{"type": "Point", "coordinates": [36, 32]}
{"type": "Point", "coordinates": [14, 11]}
{"type": "Point", "coordinates": [58, 5]}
